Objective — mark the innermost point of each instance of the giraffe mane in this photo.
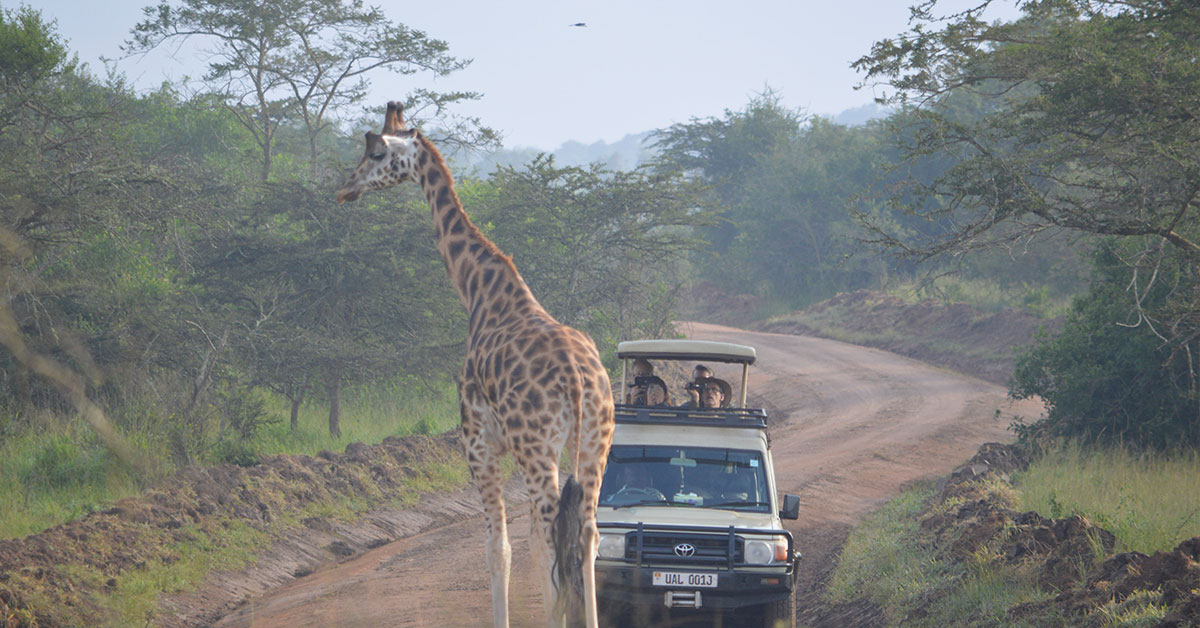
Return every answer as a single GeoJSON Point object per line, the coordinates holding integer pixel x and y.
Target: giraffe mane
{"type": "Point", "coordinates": [440, 162]}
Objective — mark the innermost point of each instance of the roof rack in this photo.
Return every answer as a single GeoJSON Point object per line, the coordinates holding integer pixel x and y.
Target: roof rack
{"type": "Point", "coordinates": [702, 350]}
{"type": "Point", "coordinates": [723, 417]}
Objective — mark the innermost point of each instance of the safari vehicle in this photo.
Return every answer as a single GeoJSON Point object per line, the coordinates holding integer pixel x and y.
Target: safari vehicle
{"type": "Point", "coordinates": [689, 518]}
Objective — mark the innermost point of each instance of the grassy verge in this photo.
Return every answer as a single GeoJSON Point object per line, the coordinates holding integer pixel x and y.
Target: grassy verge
{"type": "Point", "coordinates": [966, 556]}
{"type": "Point", "coordinates": [1149, 502]}
{"type": "Point", "coordinates": [60, 472]}
{"type": "Point", "coordinates": [889, 561]}
{"type": "Point", "coordinates": [111, 569]}
{"type": "Point", "coordinates": [230, 544]}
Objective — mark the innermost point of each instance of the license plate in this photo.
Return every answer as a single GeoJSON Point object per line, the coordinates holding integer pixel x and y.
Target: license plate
{"type": "Point", "coordinates": [684, 579]}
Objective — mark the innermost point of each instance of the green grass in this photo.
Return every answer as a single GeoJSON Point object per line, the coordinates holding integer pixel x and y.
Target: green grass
{"type": "Point", "coordinates": [56, 475]}
{"type": "Point", "coordinates": [368, 415]}
{"type": "Point", "coordinates": [887, 560]}
{"type": "Point", "coordinates": [883, 560]}
{"type": "Point", "coordinates": [1149, 502]}
{"type": "Point", "coordinates": [59, 471]}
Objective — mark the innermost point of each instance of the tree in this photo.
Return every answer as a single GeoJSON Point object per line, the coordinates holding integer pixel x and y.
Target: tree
{"type": "Point", "coordinates": [723, 151]}
{"type": "Point", "coordinates": [601, 249]}
{"type": "Point", "coordinates": [327, 295]}
{"type": "Point", "coordinates": [1092, 118]}
{"type": "Point", "coordinates": [782, 181]}
{"type": "Point", "coordinates": [301, 58]}
{"type": "Point", "coordinates": [1087, 121]}
{"type": "Point", "coordinates": [1116, 384]}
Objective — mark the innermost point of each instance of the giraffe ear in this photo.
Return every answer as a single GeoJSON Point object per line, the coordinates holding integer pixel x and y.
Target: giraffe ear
{"type": "Point", "coordinates": [393, 121]}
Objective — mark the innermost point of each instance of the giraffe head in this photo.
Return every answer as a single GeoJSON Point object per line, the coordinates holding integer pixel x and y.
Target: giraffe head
{"type": "Point", "coordinates": [390, 157]}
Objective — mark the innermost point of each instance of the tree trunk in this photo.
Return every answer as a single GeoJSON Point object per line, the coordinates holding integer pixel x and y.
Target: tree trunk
{"type": "Point", "coordinates": [335, 405]}
{"type": "Point", "coordinates": [297, 399]}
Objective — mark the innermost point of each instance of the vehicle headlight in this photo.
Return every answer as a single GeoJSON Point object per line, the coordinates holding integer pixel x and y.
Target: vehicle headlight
{"type": "Point", "coordinates": [611, 546]}
{"type": "Point", "coordinates": [759, 552]}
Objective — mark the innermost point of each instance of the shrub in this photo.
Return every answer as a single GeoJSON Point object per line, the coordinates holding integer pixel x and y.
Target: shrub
{"type": "Point", "coordinates": [1107, 377]}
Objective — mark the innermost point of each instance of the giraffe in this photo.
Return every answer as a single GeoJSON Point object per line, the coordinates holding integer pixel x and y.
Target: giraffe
{"type": "Point", "coordinates": [530, 386]}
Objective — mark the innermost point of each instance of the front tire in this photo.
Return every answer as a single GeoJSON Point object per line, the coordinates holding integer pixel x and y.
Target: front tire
{"type": "Point", "coordinates": [781, 614]}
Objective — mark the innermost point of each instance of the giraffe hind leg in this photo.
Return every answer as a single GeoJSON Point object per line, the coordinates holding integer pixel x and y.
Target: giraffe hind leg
{"type": "Point", "coordinates": [542, 482]}
{"type": "Point", "coordinates": [484, 464]}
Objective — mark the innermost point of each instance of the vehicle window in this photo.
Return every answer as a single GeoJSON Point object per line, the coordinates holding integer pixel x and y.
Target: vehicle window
{"type": "Point", "coordinates": [698, 477]}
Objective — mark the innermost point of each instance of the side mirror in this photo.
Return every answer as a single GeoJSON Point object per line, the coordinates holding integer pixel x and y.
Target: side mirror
{"type": "Point", "coordinates": [791, 507]}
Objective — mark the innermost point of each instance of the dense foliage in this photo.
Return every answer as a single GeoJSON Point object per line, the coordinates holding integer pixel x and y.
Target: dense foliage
{"type": "Point", "coordinates": [180, 259]}
{"type": "Point", "coordinates": [1082, 117]}
{"type": "Point", "coordinates": [781, 182]}
{"type": "Point", "coordinates": [1108, 377]}
{"type": "Point", "coordinates": [146, 261]}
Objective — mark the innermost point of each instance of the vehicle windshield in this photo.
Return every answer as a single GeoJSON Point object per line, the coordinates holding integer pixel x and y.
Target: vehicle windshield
{"type": "Point", "coordinates": [694, 477]}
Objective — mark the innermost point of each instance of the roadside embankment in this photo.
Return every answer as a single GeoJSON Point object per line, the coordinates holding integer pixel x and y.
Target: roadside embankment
{"type": "Point", "coordinates": [951, 335]}
{"type": "Point", "coordinates": [108, 568]}
{"type": "Point", "coordinates": [958, 553]}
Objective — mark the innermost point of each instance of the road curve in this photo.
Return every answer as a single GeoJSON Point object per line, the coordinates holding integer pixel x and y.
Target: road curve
{"type": "Point", "coordinates": [850, 427]}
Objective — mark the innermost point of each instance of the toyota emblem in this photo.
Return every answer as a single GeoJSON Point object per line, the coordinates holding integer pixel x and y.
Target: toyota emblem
{"type": "Point", "coordinates": [685, 549]}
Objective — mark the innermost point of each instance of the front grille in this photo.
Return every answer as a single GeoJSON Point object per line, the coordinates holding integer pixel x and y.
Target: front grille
{"type": "Point", "coordinates": [659, 547]}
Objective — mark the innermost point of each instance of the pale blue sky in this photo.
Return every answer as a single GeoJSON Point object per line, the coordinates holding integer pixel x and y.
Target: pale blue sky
{"type": "Point", "coordinates": [638, 65]}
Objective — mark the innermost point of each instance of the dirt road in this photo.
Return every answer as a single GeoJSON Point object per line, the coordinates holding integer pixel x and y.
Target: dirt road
{"type": "Point", "coordinates": [851, 426]}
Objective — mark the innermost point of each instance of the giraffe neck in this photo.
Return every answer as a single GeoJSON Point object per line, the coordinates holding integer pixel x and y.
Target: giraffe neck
{"type": "Point", "coordinates": [488, 285]}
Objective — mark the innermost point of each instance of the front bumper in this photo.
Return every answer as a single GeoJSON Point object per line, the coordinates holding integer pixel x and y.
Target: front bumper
{"type": "Point", "coordinates": [621, 584]}
{"type": "Point", "coordinates": [629, 581]}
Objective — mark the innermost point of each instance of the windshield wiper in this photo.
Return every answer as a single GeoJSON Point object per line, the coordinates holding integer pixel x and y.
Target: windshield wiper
{"type": "Point", "coordinates": [656, 502]}
{"type": "Point", "coordinates": [640, 503]}
{"type": "Point", "coordinates": [737, 503]}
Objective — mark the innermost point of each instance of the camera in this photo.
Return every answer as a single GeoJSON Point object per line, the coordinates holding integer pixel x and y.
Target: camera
{"type": "Point", "coordinates": [642, 381]}
{"type": "Point", "coordinates": [696, 386]}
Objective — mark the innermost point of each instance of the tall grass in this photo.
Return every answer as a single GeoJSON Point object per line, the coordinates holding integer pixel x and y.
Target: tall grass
{"type": "Point", "coordinates": [58, 471]}
{"type": "Point", "coordinates": [1150, 502]}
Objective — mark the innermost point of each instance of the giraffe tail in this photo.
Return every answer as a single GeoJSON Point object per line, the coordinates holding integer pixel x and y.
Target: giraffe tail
{"type": "Point", "coordinates": [568, 554]}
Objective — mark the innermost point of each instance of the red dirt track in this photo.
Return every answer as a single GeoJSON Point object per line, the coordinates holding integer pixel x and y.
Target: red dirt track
{"type": "Point", "coordinates": [850, 427]}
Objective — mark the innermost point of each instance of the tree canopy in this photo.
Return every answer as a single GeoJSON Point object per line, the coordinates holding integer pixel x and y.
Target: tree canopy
{"type": "Point", "coordinates": [301, 60]}
{"type": "Point", "coordinates": [1081, 117]}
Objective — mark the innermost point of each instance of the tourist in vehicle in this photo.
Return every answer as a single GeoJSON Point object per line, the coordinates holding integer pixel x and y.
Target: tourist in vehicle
{"type": "Point", "coordinates": [711, 392]}
{"type": "Point", "coordinates": [656, 393]}
{"type": "Point", "coordinates": [643, 374]}
{"type": "Point", "coordinates": [715, 393]}
{"type": "Point", "coordinates": [699, 373]}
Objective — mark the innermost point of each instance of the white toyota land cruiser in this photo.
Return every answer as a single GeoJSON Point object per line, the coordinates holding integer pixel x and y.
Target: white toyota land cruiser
{"type": "Point", "coordinates": [689, 518]}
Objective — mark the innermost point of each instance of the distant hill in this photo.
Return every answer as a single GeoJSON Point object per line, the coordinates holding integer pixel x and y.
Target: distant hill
{"type": "Point", "coordinates": [863, 114]}
{"type": "Point", "coordinates": [626, 153]}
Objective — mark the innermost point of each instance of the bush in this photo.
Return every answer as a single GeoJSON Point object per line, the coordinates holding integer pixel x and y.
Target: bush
{"type": "Point", "coordinates": [1107, 377]}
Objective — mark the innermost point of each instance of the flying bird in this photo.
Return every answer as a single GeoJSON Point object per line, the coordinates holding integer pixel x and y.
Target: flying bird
{"type": "Point", "coordinates": [578, 24]}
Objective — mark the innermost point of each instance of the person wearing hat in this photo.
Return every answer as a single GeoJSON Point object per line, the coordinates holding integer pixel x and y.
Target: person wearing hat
{"type": "Point", "coordinates": [714, 393]}
{"type": "Point", "coordinates": [699, 374]}
{"type": "Point", "coordinates": [656, 393]}
{"type": "Point", "coordinates": [642, 372]}
{"type": "Point", "coordinates": [709, 392]}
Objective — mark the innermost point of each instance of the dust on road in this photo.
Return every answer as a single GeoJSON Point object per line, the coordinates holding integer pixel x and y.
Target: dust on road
{"type": "Point", "coordinates": [850, 427]}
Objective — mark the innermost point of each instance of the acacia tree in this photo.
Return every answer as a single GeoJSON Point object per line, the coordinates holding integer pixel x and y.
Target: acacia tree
{"type": "Point", "coordinates": [1092, 126]}
{"type": "Point", "coordinates": [1089, 125]}
{"type": "Point", "coordinates": [301, 58]}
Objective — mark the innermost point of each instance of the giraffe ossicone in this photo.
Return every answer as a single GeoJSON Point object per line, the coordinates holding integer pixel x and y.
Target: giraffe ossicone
{"type": "Point", "coordinates": [530, 386]}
